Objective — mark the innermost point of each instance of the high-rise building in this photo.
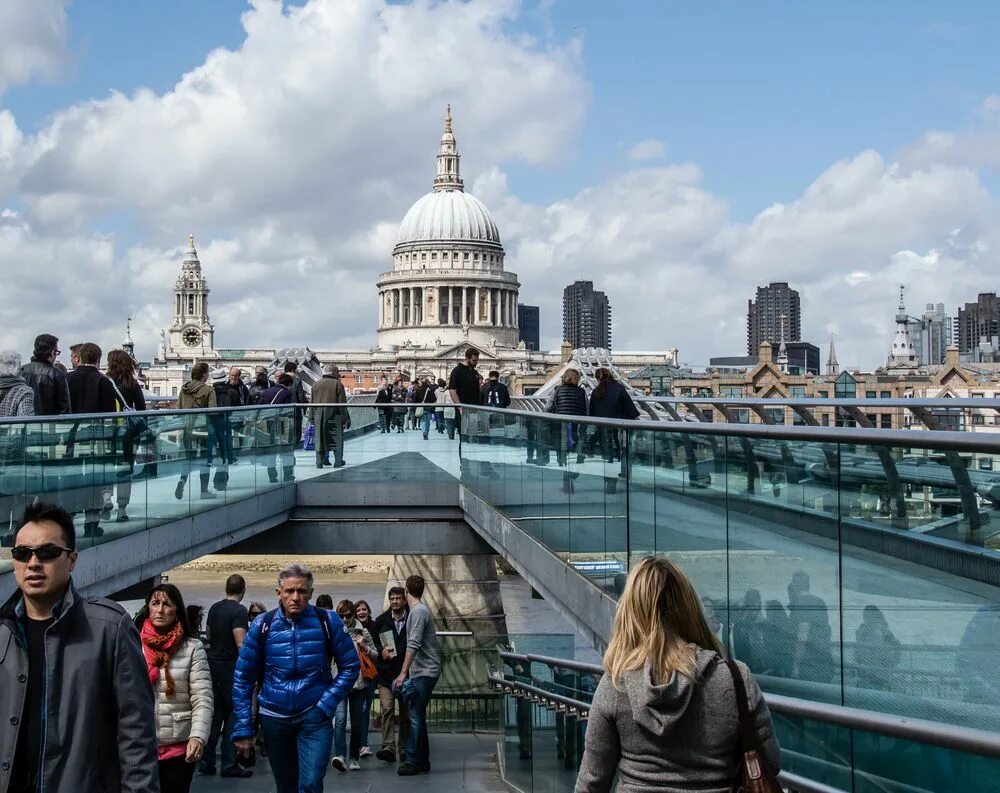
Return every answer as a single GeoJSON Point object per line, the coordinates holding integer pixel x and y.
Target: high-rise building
{"type": "Point", "coordinates": [586, 316]}
{"type": "Point", "coordinates": [776, 307]}
{"type": "Point", "coordinates": [931, 334]}
{"type": "Point", "coordinates": [977, 322]}
{"type": "Point", "coordinates": [528, 326]}
{"type": "Point", "coordinates": [803, 357]}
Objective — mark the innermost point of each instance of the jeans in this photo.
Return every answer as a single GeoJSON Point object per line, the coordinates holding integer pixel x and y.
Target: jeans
{"type": "Point", "coordinates": [366, 711]}
{"type": "Point", "coordinates": [223, 719]}
{"type": "Point", "coordinates": [418, 748]}
{"type": "Point", "coordinates": [425, 421]}
{"type": "Point", "coordinates": [352, 705]}
{"type": "Point", "coordinates": [298, 750]}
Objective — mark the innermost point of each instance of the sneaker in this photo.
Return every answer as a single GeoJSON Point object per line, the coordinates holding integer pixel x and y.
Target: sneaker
{"type": "Point", "coordinates": [208, 494]}
{"type": "Point", "coordinates": [122, 516]}
{"type": "Point", "coordinates": [385, 755]}
{"type": "Point", "coordinates": [179, 490]}
{"type": "Point", "coordinates": [365, 752]}
{"type": "Point", "coordinates": [106, 510]}
{"type": "Point", "coordinates": [406, 769]}
{"type": "Point", "coordinates": [339, 764]}
{"type": "Point", "coordinates": [354, 765]}
{"type": "Point", "coordinates": [236, 773]}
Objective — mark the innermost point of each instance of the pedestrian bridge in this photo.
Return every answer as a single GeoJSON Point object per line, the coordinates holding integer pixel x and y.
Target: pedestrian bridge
{"type": "Point", "coordinates": [850, 568]}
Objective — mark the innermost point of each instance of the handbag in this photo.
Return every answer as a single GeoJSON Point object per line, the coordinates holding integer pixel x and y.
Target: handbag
{"type": "Point", "coordinates": [752, 774]}
{"type": "Point", "coordinates": [136, 425]}
{"type": "Point", "coordinates": [368, 669]}
{"type": "Point", "coordinates": [309, 440]}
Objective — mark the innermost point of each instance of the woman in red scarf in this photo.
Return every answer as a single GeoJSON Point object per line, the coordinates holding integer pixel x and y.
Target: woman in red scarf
{"type": "Point", "coordinates": [178, 669]}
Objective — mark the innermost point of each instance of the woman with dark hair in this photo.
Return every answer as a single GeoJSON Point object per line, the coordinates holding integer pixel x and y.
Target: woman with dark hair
{"type": "Point", "coordinates": [665, 714]}
{"type": "Point", "coordinates": [352, 703]}
{"type": "Point", "coordinates": [178, 669]}
{"type": "Point", "coordinates": [568, 399]}
{"type": "Point", "coordinates": [611, 400]}
{"type": "Point", "coordinates": [129, 396]}
{"type": "Point", "coordinates": [363, 614]}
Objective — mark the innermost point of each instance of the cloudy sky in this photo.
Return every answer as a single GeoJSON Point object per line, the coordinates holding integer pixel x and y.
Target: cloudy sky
{"type": "Point", "coordinates": [676, 153]}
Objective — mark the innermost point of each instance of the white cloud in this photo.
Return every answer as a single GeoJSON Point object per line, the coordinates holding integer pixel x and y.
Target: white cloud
{"type": "Point", "coordinates": [32, 40]}
{"type": "Point", "coordinates": [648, 149]}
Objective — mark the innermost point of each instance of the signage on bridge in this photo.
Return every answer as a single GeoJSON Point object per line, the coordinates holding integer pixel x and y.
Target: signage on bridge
{"type": "Point", "coordinates": [599, 568]}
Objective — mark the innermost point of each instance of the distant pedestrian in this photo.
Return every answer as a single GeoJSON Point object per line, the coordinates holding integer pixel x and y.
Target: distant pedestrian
{"type": "Point", "coordinates": [568, 399]}
{"type": "Point", "coordinates": [441, 394]}
{"type": "Point", "coordinates": [128, 392]}
{"type": "Point", "coordinates": [421, 670]}
{"type": "Point", "coordinates": [260, 384]}
{"type": "Point", "coordinates": [280, 426]}
{"type": "Point", "coordinates": [426, 397]}
{"type": "Point", "coordinates": [228, 622]}
{"type": "Point", "coordinates": [91, 392]}
{"type": "Point", "coordinates": [330, 417]}
{"type": "Point", "coordinates": [16, 399]}
{"type": "Point", "coordinates": [877, 651]}
{"type": "Point", "coordinates": [399, 402]}
{"type": "Point", "coordinates": [73, 680]}
{"type": "Point", "coordinates": [495, 394]}
{"type": "Point", "coordinates": [288, 651]}
{"type": "Point", "coordinates": [178, 669]}
{"type": "Point", "coordinates": [384, 399]}
{"type": "Point", "coordinates": [47, 381]}
{"type": "Point", "coordinates": [390, 641]}
{"type": "Point", "coordinates": [298, 397]}
{"type": "Point", "coordinates": [611, 400]}
{"type": "Point", "coordinates": [196, 393]}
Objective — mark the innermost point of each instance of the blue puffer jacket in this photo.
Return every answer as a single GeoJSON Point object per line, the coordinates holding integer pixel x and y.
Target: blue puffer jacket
{"type": "Point", "coordinates": [297, 672]}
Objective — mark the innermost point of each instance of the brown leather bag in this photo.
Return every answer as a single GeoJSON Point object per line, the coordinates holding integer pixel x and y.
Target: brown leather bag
{"type": "Point", "coordinates": [752, 773]}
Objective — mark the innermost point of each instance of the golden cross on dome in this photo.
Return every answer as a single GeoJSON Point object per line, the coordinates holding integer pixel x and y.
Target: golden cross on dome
{"type": "Point", "coordinates": [447, 119]}
{"type": "Point", "coordinates": [191, 240]}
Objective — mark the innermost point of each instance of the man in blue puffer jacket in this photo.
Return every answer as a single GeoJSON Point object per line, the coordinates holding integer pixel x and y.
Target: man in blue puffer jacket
{"type": "Point", "coordinates": [289, 651]}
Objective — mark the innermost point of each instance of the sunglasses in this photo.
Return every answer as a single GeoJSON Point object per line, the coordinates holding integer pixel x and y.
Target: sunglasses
{"type": "Point", "coordinates": [45, 553]}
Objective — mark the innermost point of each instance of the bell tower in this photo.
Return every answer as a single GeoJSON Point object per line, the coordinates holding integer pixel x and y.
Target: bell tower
{"type": "Point", "coordinates": [192, 335]}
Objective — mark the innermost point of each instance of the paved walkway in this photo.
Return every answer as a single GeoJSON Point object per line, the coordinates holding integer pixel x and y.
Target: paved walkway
{"type": "Point", "coordinates": [461, 762]}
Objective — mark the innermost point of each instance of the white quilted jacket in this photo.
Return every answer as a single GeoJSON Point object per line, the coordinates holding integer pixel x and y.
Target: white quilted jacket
{"type": "Point", "coordinates": [188, 713]}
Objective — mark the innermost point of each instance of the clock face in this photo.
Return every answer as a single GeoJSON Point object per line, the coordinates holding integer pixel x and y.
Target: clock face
{"type": "Point", "coordinates": [192, 337]}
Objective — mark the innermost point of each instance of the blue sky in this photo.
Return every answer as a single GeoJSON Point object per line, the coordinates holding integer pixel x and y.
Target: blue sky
{"type": "Point", "coordinates": [829, 110]}
{"type": "Point", "coordinates": [762, 96]}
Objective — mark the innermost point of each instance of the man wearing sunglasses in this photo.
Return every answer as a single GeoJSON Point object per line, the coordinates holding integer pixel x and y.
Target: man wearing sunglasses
{"type": "Point", "coordinates": [75, 695]}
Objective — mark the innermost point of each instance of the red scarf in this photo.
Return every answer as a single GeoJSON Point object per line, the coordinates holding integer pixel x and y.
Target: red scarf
{"type": "Point", "coordinates": [159, 648]}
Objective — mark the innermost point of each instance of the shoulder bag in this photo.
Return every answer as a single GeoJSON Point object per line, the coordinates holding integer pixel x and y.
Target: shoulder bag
{"type": "Point", "coordinates": [752, 773]}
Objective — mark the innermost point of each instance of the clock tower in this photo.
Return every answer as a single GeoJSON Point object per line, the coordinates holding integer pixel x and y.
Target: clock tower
{"type": "Point", "coordinates": [191, 335]}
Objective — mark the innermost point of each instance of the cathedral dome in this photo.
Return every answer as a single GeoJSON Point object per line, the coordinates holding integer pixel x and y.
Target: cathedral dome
{"type": "Point", "coordinates": [448, 215]}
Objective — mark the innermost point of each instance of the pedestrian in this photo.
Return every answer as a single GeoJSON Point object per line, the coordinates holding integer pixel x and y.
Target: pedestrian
{"type": "Point", "coordinates": [279, 429]}
{"type": "Point", "coordinates": [82, 655]}
{"type": "Point", "coordinates": [227, 395]}
{"type": "Point", "coordinates": [399, 403]}
{"type": "Point", "coordinates": [877, 651]}
{"type": "Point", "coordinates": [16, 399]}
{"type": "Point", "coordinates": [128, 392]}
{"type": "Point", "coordinates": [421, 670]}
{"type": "Point", "coordinates": [196, 619]}
{"type": "Point", "coordinates": [663, 716]}
{"type": "Point", "coordinates": [330, 417]}
{"type": "Point", "coordinates": [390, 641]}
{"type": "Point", "coordinates": [494, 394]}
{"type": "Point", "coordinates": [363, 614]}
{"type": "Point", "coordinates": [448, 412]}
{"type": "Point", "coordinates": [288, 651]}
{"type": "Point", "coordinates": [178, 669]}
{"type": "Point", "coordinates": [236, 383]}
{"type": "Point", "coordinates": [196, 393]}
{"type": "Point", "coordinates": [384, 397]}
{"type": "Point", "coordinates": [355, 699]}
{"type": "Point", "coordinates": [74, 356]}
{"type": "Point", "coordinates": [611, 400]}
{"type": "Point", "coordinates": [298, 397]}
{"type": "Point", "coordinates": [568, 399]}
{"type": "Point", "coordinates": [442, 396]}
{"type": "Point", "coordinates": [259, 385]}
{"type": "Point", "coordinates": [228, 622]}
{"type": "Point", "coordinates": [49, 384]}
{"type": "Point", "coordinates": [91, 392]}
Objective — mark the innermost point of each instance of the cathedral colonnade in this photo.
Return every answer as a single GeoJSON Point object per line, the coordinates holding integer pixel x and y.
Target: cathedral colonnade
{"type": "Point", "coordinates": [447, 305]}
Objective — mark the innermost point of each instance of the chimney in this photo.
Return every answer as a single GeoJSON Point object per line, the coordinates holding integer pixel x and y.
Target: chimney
{"type": "Point", "coordinates": [951, 356]}
{"type": "Point", "coordinates": [764, 352]}
{"type": "Point", "coordinates": [566, 351]}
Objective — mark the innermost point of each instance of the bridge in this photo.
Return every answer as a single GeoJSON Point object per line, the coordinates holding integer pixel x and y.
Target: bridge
{"type": "Point", "coordinates": [845, 528]}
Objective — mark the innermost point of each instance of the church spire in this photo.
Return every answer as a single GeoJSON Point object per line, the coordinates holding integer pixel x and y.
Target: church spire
{"type": "Point", "coordinates": [448, 172]}
{"type": "Point", "coordinates": [832, 367]}
{"type": "Point", "coordinates": [782, 349]}
{"type": "Point", "coordinates": [901, 353]}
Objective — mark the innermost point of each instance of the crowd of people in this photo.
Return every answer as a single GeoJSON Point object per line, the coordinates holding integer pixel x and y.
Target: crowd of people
{"type": "Point", "coordinates": [156, 699]}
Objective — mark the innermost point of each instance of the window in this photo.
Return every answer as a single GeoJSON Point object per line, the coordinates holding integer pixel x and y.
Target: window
{"type": "Point", "coordinates": [156, 390]}
{"type": "Point", "coordinates": [885, 421]}
{"type": "Point", "coordinates": [742, 415]}
{"type": "Point", "coordinates": [777, 415]}
{"type": "Point", "coordinates": [797, 391]}
{"type": "Point", "coordinates": [824, 420]}
{"type": "Point", "coordinates": [977, 395]}
{"type": "Point", "coordinates": [823, 394]}
{"type": "Point", "coordinates": [885, 394]}
{"type": "Point", "coordinates": [730, 391]}
{"type": "Point", "coordinates": [845, 387]}
{"type": "Point", "coordinates": [985, 463]}
{"type": "Point", "coordinates": [871, 395]}
{"type": "Point", "coordinates": [173, 391]}
{"type": "Point", "coordinates": [872, 418]}
{"type": "Point", "coordinates": [423, 257]}
{"type": "Point", "coordinates": [709, 416]}
{"type": "Point", "coordinates": [978, 418]}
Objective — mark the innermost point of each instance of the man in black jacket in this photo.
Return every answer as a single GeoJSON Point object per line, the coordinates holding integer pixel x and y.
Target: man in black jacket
{"type": "Point", "coordinates": [90, 391]}
{"type": "Point", "coordinates": [48, 382]}
{"type": "Point", "coordinates": [77, 704]}
{"type": "Point", "coordinates": [390, 663]}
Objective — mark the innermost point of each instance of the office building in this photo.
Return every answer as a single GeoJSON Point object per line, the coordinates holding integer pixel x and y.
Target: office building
{"type": "Point", "coordinates": [931, 334]}
{"type": "Point", "coordinates": [528, 326]}
{"type": "Point", "coordinates": [586, 316]}
{"type": "Point", "coordinates": [764, 316]}
{"type": "Point", "coordinates": [977, 322]}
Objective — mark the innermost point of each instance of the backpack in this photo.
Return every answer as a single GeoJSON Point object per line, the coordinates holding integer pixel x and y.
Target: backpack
{"type": "Point", "coordinates": [226, 396]}
{"type": "Point", "coordinates": [265, 628]}
{"type": "Point", "coordinates": [493, 399]}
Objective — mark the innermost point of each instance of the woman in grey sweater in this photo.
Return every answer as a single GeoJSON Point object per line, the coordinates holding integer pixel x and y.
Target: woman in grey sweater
{"type": "Point", "coordinates": [664, 715]}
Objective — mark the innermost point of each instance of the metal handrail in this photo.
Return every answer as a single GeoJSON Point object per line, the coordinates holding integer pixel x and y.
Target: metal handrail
{"type": "Point", "coordinates": [933, 733]}
{"type": "Point", "coordinates": [176, 412]}
{"type": "Point", "coordinates": [991, 403]}
{"type": "Point", "coordinates": [958, 441]}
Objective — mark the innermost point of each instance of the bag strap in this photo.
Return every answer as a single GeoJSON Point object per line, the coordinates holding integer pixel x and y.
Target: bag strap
{"type": "Point", "coordinates": [126, 407]}
{"type": "Point", "coordinates": [324, 621]}
{"type": "Point", "coordinates": [749, 739]}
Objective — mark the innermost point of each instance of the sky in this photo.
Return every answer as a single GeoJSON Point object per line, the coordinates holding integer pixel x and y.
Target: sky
{"type": "Point", "coordinates": [678, 154]}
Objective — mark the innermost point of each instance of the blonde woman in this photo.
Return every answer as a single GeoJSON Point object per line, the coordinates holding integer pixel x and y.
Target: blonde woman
{"type": "Point", "coordinates": [664, 715]}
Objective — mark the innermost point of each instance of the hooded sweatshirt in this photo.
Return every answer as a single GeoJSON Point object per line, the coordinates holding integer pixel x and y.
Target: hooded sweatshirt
{"type": "Point", "coordinates": [196, 394]}
{"type": "Point", "coordinates": [671, 738]}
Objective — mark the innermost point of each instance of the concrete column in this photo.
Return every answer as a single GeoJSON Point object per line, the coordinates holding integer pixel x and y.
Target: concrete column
{"type": "Point", "coordinates": [381, 307]}
{"type": "Point", "coordinates": [465, 309]}
{"type": "Point", "coordinates": [397, 309]}
{"type": "Point", "coordinates": [489, 306]}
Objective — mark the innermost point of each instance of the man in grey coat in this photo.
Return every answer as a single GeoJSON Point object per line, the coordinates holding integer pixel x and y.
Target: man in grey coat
{"type": "Point", "coordinates": [76, 704]}
{"type": "Point", "coordinates": [329, 418]}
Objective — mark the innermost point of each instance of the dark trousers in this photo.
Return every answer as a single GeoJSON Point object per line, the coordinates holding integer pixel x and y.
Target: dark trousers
{"type": "Point", "coordinates": [175, 775]}
{"type": "Point", "coordinates": [223, 719]}
{"type": "Point", "coordinates": [418, 747]}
